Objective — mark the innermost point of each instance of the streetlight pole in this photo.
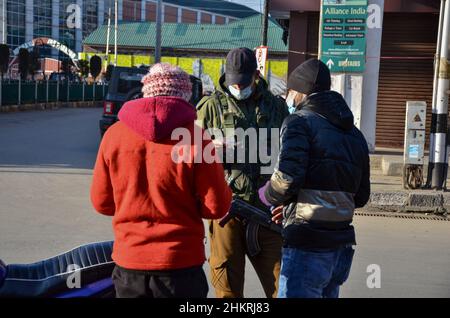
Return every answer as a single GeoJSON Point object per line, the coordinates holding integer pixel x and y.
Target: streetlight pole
{"type": "Point", "coordinates": [439, 173]}
{"type": "Point", "coordinates": [433, 105]}
{"type": "Point", "coordinates": [265, 22]}
{"type": "Point", "coordinates": [107, 38]}
{"type": "Point", "coordinates": [115, 33]}
{"type": "Point", "coordinates": [4, 22]}
{"type": "Point", "coordinates": [319, 45]}
{"type": "Point", "coordinates": [158, 31]}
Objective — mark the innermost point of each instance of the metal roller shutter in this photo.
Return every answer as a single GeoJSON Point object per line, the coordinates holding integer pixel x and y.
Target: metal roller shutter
{"type": "Point", "coordinates": [406, 72]}
{"type": "Point", "coordinates": [313, 34]}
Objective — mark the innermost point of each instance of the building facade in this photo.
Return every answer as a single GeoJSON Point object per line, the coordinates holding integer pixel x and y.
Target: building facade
{"type": "Point", "coordinates": [70, 21]}
{"type": "Point", "coordinates": [182, 11]}
{"type": "Point", "coordinates": [199, 49]}
{"type": "Point", "coordinates": [404, 64]}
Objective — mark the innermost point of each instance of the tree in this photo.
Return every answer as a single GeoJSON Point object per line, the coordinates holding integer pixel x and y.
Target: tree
{"type": "Point", "coordinates": [4, 58]}
{"type": "Point", "coordinates": [108, 72]}
{"type": "Point", "coordinates": [66, 66]}
{"type": "Point", "coordinates": [34, 64]}
{"type": "Point", "coordinates": [24, 63]}
{"type": "Point", "coordinates": [95, 66]}
{"type": "Point", "coordinates": [84, 68]}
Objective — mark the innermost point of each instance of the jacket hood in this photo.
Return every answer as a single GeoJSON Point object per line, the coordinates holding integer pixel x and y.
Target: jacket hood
{"type": "Point", "coordinates": [332, 106]}
{"type": "Point", "coordinates": [261, 87]}
{"type": "Point", "coordinates": [154, 118]}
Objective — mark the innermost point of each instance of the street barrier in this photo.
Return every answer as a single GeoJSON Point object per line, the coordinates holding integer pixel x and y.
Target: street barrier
{"type": "Point", "coordinates": [14, 92]}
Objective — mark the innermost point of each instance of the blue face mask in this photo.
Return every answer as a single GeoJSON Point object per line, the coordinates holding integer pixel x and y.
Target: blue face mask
{"type": "Point", "coordinates": [290, 102]}
{"type": "Point", "coordinates": [241, 94]}
{"type": "Point", "coordinates": [291, 106]}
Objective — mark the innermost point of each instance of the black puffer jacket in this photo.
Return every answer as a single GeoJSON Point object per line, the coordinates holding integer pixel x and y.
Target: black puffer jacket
{"type": "Point", "coordinates": [322, 173]}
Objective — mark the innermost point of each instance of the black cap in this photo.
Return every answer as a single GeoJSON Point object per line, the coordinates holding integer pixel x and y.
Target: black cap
{"type": "Point", "coordinates": [312, 76]}
{"type": "Point", "coordinates": [240, 67]}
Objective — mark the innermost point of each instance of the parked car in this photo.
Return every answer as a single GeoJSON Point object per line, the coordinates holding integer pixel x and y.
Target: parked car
{"type": "Point", "coordinates": [124, 85]}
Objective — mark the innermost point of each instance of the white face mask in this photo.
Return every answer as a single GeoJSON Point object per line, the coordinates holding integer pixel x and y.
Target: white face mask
{"type": "Point", "coordinates": [241, 94]}
{"type": "Point", "coordinates": [290, 102]}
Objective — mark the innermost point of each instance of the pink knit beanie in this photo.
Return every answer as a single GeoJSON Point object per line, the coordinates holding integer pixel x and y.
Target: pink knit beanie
{"type": "Point", "coordinates": [164, 79]}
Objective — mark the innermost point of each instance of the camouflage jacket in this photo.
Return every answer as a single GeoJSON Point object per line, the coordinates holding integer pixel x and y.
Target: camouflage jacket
{"type": "Point", "coordinates": [262, 110]}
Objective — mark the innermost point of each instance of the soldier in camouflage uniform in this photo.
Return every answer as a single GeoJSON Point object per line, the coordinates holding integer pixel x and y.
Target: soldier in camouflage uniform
{"type": "Point", "coordinates": [243, 101]}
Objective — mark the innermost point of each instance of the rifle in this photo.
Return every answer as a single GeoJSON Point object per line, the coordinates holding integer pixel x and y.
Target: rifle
{"type": "Point", "coordinates": [254, 218]}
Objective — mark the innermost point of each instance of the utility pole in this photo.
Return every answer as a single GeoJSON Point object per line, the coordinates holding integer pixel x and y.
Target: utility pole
{"type": "Point", "coordinates": [265, 22]}
{"type": "Point", "coordinates": [115, 33]}
{"type": "Point", "coordinates": [319, 46]}
{"type": "Point", "coordinates": [433, 106]}
{"type": "Point", "coordinates": [158, 31]}
{"type": "Point", "coordinates": [107, 38]}
{"type": "Point", "coordinates": [440, 155]}
{"type": "Point", "coordinates": [4, 22]}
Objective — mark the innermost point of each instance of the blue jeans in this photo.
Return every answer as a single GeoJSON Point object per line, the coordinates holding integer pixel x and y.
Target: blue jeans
{"type": "Point", "coordinates": [314, 273]}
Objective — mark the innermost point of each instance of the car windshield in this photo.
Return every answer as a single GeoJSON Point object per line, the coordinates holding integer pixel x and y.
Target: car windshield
{"type": "Point", "coordinates": [128, 81]}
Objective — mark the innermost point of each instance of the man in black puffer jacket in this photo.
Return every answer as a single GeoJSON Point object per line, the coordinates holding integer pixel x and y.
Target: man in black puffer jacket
{"type": "Point", "coordinates": [321, 176]}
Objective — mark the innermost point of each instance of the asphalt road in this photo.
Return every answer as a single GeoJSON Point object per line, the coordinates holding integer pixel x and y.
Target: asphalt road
{"type": "Point", "coordinates": [46, 161]}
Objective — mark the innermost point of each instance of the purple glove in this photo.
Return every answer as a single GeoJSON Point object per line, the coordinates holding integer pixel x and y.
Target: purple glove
{"type": "Point", "coordinates": [262, 197]}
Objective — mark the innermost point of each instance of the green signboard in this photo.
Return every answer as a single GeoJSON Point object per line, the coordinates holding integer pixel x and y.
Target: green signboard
{"type": "Point", "coordinates": [344, 26]}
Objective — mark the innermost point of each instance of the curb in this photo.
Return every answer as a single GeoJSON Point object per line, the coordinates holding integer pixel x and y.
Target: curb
{"type": "Point", "coordinates": [420, 201]}
{"type": "Point", "coordinates": [50, 106]}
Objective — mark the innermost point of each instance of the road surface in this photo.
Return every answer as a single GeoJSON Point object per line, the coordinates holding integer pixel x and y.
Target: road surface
{"type": "Point", "coordinates": [46, 161]}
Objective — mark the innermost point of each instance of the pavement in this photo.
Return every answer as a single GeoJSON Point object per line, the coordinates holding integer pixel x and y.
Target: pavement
{"type": "Point", "coordinates": [49, 106]}
{"type": "Point", "coordinates": [46, 161]}
{"type": "Point", "coordinates": [388, 193]}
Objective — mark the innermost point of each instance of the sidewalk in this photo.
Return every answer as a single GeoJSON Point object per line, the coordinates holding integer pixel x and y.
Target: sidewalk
{"type": "Point", "coordinates": [388, 194]}
{"type": "Point", "coordinates": [50, 106]}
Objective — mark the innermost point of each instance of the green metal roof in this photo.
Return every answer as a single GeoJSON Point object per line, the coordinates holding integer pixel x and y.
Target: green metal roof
{"type": "Point", "coordinates": [213, 37]}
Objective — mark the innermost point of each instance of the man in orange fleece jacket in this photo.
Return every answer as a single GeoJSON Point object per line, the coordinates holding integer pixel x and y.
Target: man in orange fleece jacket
{"type": "Point", "coordinates": [157, 204]}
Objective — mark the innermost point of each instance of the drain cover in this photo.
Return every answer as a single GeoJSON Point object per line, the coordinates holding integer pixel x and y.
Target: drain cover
{"type": "Point", "coordinates": [411, 216]}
